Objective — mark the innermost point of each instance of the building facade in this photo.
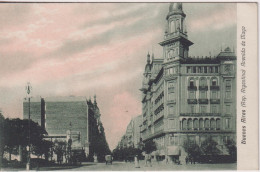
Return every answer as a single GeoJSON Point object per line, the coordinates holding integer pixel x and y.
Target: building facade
{"type": "Point", "coordinates": [185, 98]}
{"type": "Point", "coordinates": [132, 136]}
{"type": "Point", "coordinates": [62, 115]}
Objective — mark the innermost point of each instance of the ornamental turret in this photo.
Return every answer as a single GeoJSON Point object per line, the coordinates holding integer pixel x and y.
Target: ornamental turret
{"type": "Point", "coordinates": [176, 43]}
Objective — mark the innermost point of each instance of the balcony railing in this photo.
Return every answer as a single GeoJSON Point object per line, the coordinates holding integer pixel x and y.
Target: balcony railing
{"type": "Point", "coordinates": [203, 101]}
{"type": "Point", "coordinates": [200, 114]}
{"type": "Point", "coordinates": [172, 101]}
{"type": "Point", "coordinates": [192, 101]}
{"type": "Point", "coordinates": [214, 87]}
{"type": "Point", "coordinates": [158, 116]}
{"type": "Point", "coordinates": [192, 88]}
{"type": "Point", "coordinates": [203, 88]}
{"type": "Point", "coordinates": [214, 101]}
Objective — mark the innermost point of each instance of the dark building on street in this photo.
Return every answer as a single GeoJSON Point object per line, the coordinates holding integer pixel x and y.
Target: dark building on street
{"type": "Point", "coordinates": [60, 115]}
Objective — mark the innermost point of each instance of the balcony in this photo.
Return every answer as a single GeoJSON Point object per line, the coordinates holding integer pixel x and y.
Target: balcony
{"type": "Point", "coordinates": [192, 101]}
{"type": "Point", "coordinates": [192, 88]}
{"type": "Point", "coordinates": [158, 116]}
{"type": "Point", "coordinates": [214, 87]}
{"type": "Point", "coordinates": [149, 123]}
{"type": "Point", "coordinates": [214, 101]}
{"type": "Point", "coordinates": [171, 101]}
{"type": "Point", "coordinates": [200, 114]}
{"type": "Point", "coordinates": [203, 88]}
{"type": "Point", "coordinates": [203, 101]}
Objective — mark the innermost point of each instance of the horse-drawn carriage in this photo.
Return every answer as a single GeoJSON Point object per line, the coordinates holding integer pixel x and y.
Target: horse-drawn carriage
{"type": "Point", "coordinates": [108, 159]}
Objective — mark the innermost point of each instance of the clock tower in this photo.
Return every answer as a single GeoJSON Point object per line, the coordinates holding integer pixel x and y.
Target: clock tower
{"type": "Point", "coordinates": [176, 43]}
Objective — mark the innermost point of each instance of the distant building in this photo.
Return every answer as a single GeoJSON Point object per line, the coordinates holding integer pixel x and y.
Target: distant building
{"type": "Point", "coordinates": [184, 98]}
{"type": "Point", "coordinates": [60, 115]}
{"type": "Point", "coordinates": [132, 136]}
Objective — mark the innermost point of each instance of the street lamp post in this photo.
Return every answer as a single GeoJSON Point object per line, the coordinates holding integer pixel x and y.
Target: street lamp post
{"type": "Point", "coordinates": [28, 91]}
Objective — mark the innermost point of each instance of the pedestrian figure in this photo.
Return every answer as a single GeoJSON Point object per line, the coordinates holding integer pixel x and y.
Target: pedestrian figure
{"type": "Point", "coordinates": [186, 160]}
{"type": "Point", "coordinates": [157, 159]}
{"type": "Point", "coordinates": [190, 160]}
{"type": "Point", "coordinates": [178, 162]}
{"type": "Point", "coordinates": [136, 162]}
{"type": "Point", "coordinates": [149, 159]}
{"type": "Point", "coordinates": [146, 159]}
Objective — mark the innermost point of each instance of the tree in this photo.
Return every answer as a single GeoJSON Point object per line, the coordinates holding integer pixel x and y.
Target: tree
{"type": "Point", "coordinates": [232, 149]}
{"type": "Point", "coordinates": [125, 153]}
{"type": "Point", "coordinates": [18, 134]}
{"type": "Point", "coordinates": [59, 149]}
{"type": "Point", "coordinates": [193, 150]}
{"type": "Point", "coordinates": [209, 147]}
{"type": "Point", "coordinates": [98, 144]}
{"type": "Point", "coordinates": [2, 137]}
{"type": "Point", "coordinates": [149, 146]}
{"type": "Point", "coordinates": [42, 149]}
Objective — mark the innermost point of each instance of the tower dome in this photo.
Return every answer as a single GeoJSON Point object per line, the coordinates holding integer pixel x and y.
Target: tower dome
{"type": "Point", "coordinates": [175, 8]}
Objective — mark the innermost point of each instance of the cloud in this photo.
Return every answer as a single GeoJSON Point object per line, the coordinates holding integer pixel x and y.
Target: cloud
{"type": "Point", "coordinates": [103, 33]}
{"type": "Point", "coordinates": [219, 17]}
{"type": "Point", "coordinates": [13, 15]}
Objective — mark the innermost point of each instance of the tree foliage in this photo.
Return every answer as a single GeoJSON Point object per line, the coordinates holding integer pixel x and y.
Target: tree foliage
{"type": "Point", "coordinates": [192, 149]}
{"type": "Point", "coordinates": [126, 153]}
{"type": "Point", "coordinates": [2, 137]}
{"type": "Point", "coordinates": [59, 148]}
{"type": "Point", "coordinates": [232, 149]}
{"type": "Point", "coordinates": [98, 144]}
{"type": "Point", "coordinates": [42, 149]}
{"type": "Point", "coordinates": [149, 146]}
{"type": "Point", "coordinates": [20, 132]}
{"type": "Point", "coordinates": [209, 147]}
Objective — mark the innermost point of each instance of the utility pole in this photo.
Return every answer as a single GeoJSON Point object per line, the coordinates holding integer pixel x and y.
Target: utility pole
{"type": "Point", "coordinates": [28, 89]}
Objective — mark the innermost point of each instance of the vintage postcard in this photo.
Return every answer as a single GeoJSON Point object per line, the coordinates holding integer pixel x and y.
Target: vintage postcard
{"type": "Point", "coordinates": [145, 86]}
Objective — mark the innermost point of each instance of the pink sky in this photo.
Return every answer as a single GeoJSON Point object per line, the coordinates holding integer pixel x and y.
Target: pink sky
{"type": "Point", "coordinates": [84, 49]}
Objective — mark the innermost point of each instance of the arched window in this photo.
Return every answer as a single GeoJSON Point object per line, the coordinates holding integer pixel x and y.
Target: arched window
{"type": "Point", "coordinates": [189, 124]}
{"type": "Point", "coordinates": [196, 124]}
{"type": "Point", "coordinates": [201, 126]}
{"type": "Point", "coordinates": [218, 123]}
{"type": "Point", "coordinates": [192, 82]}
{"type": "Point", "coordinates": [212, 124]}
{"type": "Point", "coordinates": [214, 82]}
{"type": "Point", "coordinates": [172, 26]}
{"type": "Point", "coordinates": [207, 124]}
{"type": "Point", "coordinates": [184, 124]}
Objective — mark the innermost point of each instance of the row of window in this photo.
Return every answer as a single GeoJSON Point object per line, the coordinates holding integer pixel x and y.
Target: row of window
{"type": "Point", "coordinates": [202, 95]}
{"type": "Point", "coordinates": [160, 97]}
{"type": "Point", "coordinates": [204, 109]}
{"type": "Point", "coordinates": [172, 70]}
{"type": "Point", "coordinates": [207, 124]}
{"type": "Point", "coordinates": [202, 69]}
{"type": "Point", "coordinates": [203, 82]}
{"type": "Point", "coordinates": [175, 140]}
{"type": "Point", "coordinates": [159, 109]}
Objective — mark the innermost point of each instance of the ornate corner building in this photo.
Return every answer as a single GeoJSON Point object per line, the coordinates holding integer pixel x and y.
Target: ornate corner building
{"type": "Point", "coordinates": [186, 98]}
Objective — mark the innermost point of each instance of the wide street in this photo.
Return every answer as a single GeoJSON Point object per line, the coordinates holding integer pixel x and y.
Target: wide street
{"type": "Point", "coordinates": [119, 166]}
{"type": "Point", "coordinates": [122, 166]}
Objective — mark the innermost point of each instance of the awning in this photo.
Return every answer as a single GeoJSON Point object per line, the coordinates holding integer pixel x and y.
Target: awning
{"type": "Point", "coordinates": [155, 153]}
{"type": "Point", "coordinates": [173, 150]}
{"type": "Point", "coordinates": [161, 152]}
